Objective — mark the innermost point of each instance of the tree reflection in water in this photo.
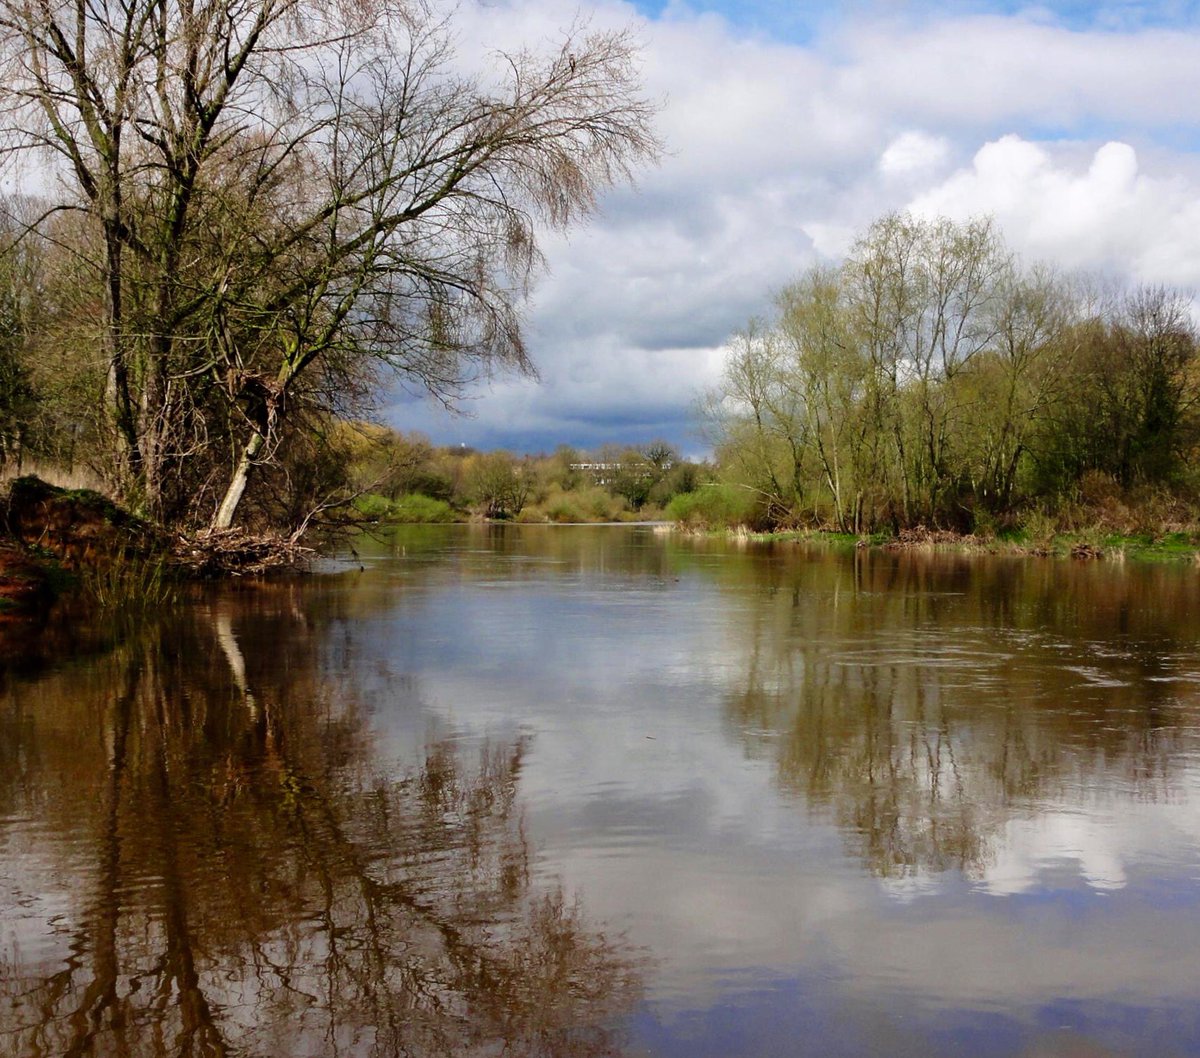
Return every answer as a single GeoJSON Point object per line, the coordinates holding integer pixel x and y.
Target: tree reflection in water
{"type": "Point", "coordinates": [925, 702]}
{"type": "Point", "coordinates": [202, 855]}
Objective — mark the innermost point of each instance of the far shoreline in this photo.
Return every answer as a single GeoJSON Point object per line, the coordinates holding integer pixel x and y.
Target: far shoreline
{"type": "Point", "coordinates": [87, 548]}
{"type": "Point", "coordinates": [1170, 547]}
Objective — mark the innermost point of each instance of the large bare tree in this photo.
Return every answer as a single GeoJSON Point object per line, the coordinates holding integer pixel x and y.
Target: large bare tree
{"type": "Point", "coordinates": [282, 199]}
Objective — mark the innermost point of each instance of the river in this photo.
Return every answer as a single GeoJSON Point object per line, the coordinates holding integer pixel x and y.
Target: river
{"type": "Point", "coordinates": [595, 790]}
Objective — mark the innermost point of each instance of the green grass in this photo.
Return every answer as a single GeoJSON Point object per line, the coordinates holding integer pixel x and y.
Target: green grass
{"type": "Point", "coordinates": [131, 586]}
{"type": "Point", "coordinates": [1145, 547]}
{"type": "Point", "coordinates": [1141, 547]}
{"type": "Point", "coordinates": [825, 536]}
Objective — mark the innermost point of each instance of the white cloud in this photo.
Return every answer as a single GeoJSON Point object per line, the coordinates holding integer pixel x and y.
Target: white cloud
{"type": "Point", "coordinates": [972, 72]}
{"type": "Point", "coordinates": [779, 153]}
{"type": "Point", "coordinates": [914, 154]}
{"type": "Point", "coordinates": [1099, 213]}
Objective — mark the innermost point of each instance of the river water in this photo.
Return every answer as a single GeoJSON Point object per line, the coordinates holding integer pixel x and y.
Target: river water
{"type": "Point", "coordinates": [563, 791]}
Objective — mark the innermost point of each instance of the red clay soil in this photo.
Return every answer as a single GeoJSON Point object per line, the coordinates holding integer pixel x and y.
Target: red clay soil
{"type": "Point", "coordinates": [43, 527]}
{"type": "Point", "coordinates": [24, 583]}
{"type": "Point", "coordinates": [77, 527]}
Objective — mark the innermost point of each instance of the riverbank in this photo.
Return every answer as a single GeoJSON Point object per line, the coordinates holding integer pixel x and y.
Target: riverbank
{"type": "Point", "coordinates": [58, 542]}
{"type": "Point", "coordinates": [50, 536]}
{"type": "Point", "coordinates": [593, 507]}
{"type": "Point", "coordinates": [1116, 547]}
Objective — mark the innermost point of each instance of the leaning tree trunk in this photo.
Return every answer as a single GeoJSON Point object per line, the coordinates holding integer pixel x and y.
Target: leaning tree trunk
{"type": "Point", "coordinates": [237, 485]}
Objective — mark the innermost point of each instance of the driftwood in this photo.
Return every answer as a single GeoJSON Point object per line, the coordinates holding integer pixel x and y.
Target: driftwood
{"type": "Point", "coordinates": [920, 536]}
{"type": "Point", "coordinates": [238, 552]}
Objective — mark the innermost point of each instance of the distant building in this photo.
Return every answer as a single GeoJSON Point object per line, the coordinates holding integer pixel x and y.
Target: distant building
{"type": "Point", "coordinates": [605, 473]}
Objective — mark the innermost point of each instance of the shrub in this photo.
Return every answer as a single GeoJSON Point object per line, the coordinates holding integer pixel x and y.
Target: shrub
{"type": "Point", "coordinates": [410, 508]}
{"type": "Point", "coordinates": [564, 509]}
{"type": "Point", "coordinates": [712, 507]}
{"type": "Point", "coordinates": [603, 505]}
{"type": "Point", "coordinates": [372, 505]}
{"type": "Point", "coordinates": [414, 507]}
{"type": "Point", "coordinates": [1039, 528]}
{"type": "Point", "coordinates": [591, 504]}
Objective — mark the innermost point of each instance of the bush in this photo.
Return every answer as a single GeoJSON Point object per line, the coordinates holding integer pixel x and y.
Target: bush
{"type": "Point", "coordinates": [604, 506]}
{"type": "Point", "coordinates": [712, 507]}
{"type": "Point", "coordinates": [564, 509]}
{"type": "Point", "coordinates": [414, 507]}
{"type": "Point", "coordinates": [592, 504]}
{"type": "Point", "coordinates": [411, 508]}
{"type": "Point", "coordinates": [1039, 528]}
{"type": "Point", "coordinates": [372, 505]}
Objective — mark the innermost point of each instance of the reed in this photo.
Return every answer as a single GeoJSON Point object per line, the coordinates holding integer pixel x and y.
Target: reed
{"type": "Point", "coordinates": [129, 585]}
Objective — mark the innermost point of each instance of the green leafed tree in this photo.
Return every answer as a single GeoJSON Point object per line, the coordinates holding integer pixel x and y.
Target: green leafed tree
{"type": "Point", "coordinates": [1132, 409]}
{"type": "Point", "coordinates": [931, 377]}
{"type": "Point", "coordinates": [497, 485]}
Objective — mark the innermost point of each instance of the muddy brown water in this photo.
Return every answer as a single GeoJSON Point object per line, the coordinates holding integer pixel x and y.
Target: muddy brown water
{"type": "Point", "coordinates": [566, 791]}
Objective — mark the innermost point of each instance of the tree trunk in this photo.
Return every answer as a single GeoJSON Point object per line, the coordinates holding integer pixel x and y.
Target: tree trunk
{"type": "Point", "coordinates": [237, 485]}
{"type": "Point", "coordinates": [118, 402]}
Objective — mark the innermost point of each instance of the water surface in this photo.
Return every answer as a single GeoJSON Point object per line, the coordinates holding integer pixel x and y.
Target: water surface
{"type": "Point", "coordinates": [595, 790]}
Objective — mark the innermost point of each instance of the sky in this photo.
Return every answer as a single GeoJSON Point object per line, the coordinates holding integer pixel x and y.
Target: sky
{"type": "Point", "coordinates": [789, 127]}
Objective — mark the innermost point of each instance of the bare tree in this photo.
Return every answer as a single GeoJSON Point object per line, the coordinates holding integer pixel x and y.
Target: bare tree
{"type": "Point", "coordinates": [289, 197]}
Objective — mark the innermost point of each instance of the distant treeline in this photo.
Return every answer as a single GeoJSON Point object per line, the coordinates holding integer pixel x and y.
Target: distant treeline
{"type": "Point", "coordinates": [933, 379]}
{"type": "Point", "coordinates": [405, 478]}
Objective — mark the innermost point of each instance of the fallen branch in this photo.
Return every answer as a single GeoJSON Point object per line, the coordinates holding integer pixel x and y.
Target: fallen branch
{"type": "Point", "coordinates": [237, 552]}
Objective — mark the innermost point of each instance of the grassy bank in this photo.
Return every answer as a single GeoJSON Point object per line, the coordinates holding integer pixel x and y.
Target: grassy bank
{"type": "Point", "coordinates": [1179, 547]}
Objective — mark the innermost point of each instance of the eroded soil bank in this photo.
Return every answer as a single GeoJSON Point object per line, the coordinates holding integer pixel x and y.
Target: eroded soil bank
{"type": "Point", "coordinates": [53, 541]}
